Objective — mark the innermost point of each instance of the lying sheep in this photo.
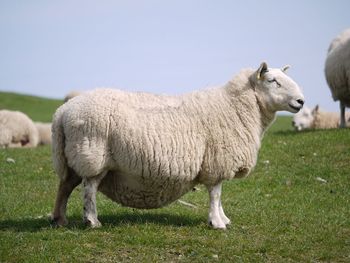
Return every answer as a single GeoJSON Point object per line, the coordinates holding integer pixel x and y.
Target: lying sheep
{"type": "Point", "coordinates": [337, 71]}
{"type": "Point", "coordinates": [146, 151]}
{"type": "Point", "coordinates": [317, 119]}
{"type": "Point", "coordinates": [17, 130]}
{"type": "Point", "coordinates": [327, 120]}
{"type": "Point", "coordinates": [44, 130]}
{"type": "Point", "coordinates": [71, 95]}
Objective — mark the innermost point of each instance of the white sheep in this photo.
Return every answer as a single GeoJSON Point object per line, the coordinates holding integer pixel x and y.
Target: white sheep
{"type": "Point", "coordinates": [337, 71]}
{"type": "Point", "coordinates": [72, 94]}
{"type": "Point", "coordinates": [303, 119]}
{"type": "Point", "coordinates": [317, 119]}
{"type": "Point", "coordinates": [17, 130]}
{"type": "Point", "coordinates": [44, 130]}
{"type": "Point", "coordinates": [146, 151]}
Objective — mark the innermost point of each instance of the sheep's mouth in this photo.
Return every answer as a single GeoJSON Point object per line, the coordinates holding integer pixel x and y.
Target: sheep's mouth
{"type": "Point", "coordinates": [295, 108]}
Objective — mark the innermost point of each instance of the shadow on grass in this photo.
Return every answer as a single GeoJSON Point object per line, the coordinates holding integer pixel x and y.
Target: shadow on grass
{"type": "Point", "coordinates": [118, 220]}
{"type": "Point", "coordinates": [295, 133]}
{"type": "Point", "coordinates": [307, 131]}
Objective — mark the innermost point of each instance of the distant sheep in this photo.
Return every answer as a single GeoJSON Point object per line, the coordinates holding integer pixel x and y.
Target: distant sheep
{"type": "Point", "coordinates": [317, 119]}
{"type": "Point", "coordinates": [337, 71]}
{"type": "Point", "coordinates": [71, 95]}
{"type": "Point", "coordinates": [146, 151]}
{"type": "Point", "coordinates": [303, 119]}
{"type": "Point", "coordinates": [44, 130]}
{"type": "Point", "coordinates": [17, 130]}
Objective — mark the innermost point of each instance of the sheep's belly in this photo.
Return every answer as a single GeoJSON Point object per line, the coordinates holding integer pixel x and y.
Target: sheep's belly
{"type": "Point", "coordinates": [145, 194]}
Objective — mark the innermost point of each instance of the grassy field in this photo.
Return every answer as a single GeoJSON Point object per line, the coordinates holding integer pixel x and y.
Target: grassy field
{"type": "Point", "coordinates": [38, 109]}
{"type": "Point", "coordinates": [295, 207]}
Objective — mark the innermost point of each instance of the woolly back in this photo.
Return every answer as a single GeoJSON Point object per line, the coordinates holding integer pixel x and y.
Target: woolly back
{"type": "Point", "coordinates": [325, 120]}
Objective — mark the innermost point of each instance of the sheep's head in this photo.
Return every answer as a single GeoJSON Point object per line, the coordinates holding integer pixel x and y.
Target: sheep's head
{"type": "Point", "coordinates": [303, 119]}
{"type": "Point", "coordinates": [276, 90]}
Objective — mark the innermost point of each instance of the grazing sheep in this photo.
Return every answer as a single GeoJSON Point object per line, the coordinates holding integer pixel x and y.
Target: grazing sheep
{"type": "Point", "coordinates": [303, 119]}
{"type": "Point", "coordinates": [337, 71]}
{"type": "Point", "coordinates": [17, 130]}
{"type": "Point", "coordinates": [146, 151]}
{"type": "Point", "coordinates": [44, 130]}
{"type": "Point", "coordinates": [317, 119]}
{"type": "Point", "coordinates": [71, 95]}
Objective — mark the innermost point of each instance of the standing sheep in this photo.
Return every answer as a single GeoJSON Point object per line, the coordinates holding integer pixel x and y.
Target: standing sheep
{"type": "Point", "coordinates": [44, 130]}
{"type": "Point", "coordinates": [337, 71]}
{"type": "Point", "coordinates": [317, 119]}
{"type": "Point", "coordinates": [146, 151]}
{"type": "Point", "coordinates": [17, 130]}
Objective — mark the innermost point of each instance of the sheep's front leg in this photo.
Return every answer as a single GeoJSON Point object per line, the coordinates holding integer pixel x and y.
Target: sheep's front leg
{"type": "Point", "coordinates": [342, 115]}
{"type": "Point", "coordinates": [90, 186]}
{"type": "Point", "coordinates": [217, 217]}
{"type": "Point", "coordinates": [224, 218]}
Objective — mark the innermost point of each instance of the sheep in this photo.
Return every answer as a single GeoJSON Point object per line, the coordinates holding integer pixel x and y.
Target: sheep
{"type": "Point", "coordinates": [44, 130]}
{"type": "Point", "coordinates": [317, 119]}
{"type": "Point", "coordinates": [17, 130]}
{"type": "Point", "coordinates": [71, 95]}
{"type": "Point", "coordinates": [146, 151]}
{"type": "Point", "coordinates": [303, 119]}
{"type": "Point", "coordinates": [337, 71]}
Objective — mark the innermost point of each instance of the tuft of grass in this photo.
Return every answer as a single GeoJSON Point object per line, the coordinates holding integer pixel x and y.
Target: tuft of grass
{"type": "Point", "coordinates": [294, 207]}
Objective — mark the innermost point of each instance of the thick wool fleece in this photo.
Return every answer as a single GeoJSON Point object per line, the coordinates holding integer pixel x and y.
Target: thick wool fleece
{"type": "Point", "coordinates": [337, 68]}
{"type": "Point", "coordinates": [17, 130]}
{"type": "Point", "coordinates": [156, 148]}
{"type": "Point", "coordinates": [328, 120]}
{"type": "Point", "coordinates": [44, 130]}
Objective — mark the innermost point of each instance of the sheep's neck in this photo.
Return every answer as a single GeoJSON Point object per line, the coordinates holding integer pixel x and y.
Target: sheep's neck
{"type": "Point", "coordinates": [267, 117]}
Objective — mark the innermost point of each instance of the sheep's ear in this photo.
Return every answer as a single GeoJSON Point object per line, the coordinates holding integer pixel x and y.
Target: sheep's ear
{"type": "Point", "coordinates": [315, 110]}
{"type": "Point", "coordinates": [261, 70]}
{"type": "Point", "coordinates": [285, 68]}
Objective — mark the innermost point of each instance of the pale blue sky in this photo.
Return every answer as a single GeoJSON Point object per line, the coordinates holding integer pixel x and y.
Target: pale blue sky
{"type": "Point", "coordinates": [49, 48]}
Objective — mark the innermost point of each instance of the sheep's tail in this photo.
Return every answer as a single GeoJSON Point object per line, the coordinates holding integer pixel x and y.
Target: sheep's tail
{"type": "Point", "coordinates": [58, 145]}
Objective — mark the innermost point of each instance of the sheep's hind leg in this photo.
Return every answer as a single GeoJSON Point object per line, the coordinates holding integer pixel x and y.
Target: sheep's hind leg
{"type": "Point", "coordinates": [90, 186]}
{"type": "Point", "coordinates": [65, 188]}
{"type": "Point", "coordinates": [217, 217]}
{"type": "Point", "coordinates": [342, 115]}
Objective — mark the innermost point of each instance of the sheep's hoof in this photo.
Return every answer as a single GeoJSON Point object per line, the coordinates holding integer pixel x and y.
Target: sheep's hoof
{"type": "Point", "coordinates": [217, 226]}
{"type": "Point", "coordinates": [58, 221]}
{"type": "Point", "coordinates": [226, 221]}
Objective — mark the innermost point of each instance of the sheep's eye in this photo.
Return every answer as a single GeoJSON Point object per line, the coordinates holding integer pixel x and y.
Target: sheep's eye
{"type": "Point", "coordinates": [274, 80]}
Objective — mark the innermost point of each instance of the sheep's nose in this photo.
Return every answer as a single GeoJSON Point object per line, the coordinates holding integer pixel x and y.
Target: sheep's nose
{"type": "Point", "coordinates": [301, 102]}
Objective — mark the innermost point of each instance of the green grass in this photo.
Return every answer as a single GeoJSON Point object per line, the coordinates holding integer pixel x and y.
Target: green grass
{"type": "Point", "coordinates": [38, 109]}
{"type": "Point", "coordinates": [280, 213]}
